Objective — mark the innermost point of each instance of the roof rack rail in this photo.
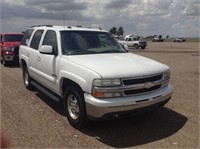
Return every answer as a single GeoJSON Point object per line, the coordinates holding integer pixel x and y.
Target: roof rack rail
{"type": "Point", "coordinates": [42, 25]}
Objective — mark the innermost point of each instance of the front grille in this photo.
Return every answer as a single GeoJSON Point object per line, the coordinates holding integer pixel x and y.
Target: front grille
{"type": "Point", "coordinates": [142, 80]}
{"type": "Point", "coordinates": [139, 91]}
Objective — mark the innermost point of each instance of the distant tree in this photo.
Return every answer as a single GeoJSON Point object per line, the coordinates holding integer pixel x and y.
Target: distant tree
{"type": "Point", "coordinates": [167, 37]}
{"type": "Point", "coordinates": [120, 31]}
{"type": "Point", "coordinates": [113, 30]}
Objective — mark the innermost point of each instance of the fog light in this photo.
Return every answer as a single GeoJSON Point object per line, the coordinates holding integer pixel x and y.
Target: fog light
{"type": "Point", "coordinates": [117, 94]}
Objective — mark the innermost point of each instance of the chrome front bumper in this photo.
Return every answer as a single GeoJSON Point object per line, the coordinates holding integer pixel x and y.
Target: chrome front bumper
{"type": "Point", "coordinates": [98, 108]}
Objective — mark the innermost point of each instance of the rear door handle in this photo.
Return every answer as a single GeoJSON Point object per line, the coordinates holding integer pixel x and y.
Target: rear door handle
{"type": "Point", "coordinates": [39, 59]}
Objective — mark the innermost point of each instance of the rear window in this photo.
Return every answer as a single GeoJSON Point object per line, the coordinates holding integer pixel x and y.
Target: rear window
{"type": "Point", "coordinates": [12, 38]}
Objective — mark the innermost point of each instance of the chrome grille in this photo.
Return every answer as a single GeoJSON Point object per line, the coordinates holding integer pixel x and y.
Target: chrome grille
{"type": "Point", "coordinates": [139, 91]}
{"type": "Point", "coordinates": [142, 80]}
{"type": "Point", "coordinates": [142, 84]}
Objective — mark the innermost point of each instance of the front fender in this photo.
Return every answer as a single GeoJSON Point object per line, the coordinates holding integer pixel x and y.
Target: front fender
{"type": "Point", "coordinates": [80, 75]}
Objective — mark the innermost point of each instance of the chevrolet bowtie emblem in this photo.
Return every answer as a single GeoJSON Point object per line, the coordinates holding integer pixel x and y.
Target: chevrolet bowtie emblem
{"type": "Point", "coordinates": [148, 85]}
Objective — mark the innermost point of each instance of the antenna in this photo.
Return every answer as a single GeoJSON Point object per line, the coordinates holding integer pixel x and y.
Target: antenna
{"type": "Point", "coordinates": [64, 20]}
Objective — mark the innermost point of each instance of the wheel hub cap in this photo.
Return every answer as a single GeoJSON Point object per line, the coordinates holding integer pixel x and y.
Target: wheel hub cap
{"type": "Point", "coordinates": [73, 107]}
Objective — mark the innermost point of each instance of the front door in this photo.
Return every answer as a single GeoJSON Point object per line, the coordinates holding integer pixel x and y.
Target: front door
{"type": "Point", "coordinates": [47, 63]}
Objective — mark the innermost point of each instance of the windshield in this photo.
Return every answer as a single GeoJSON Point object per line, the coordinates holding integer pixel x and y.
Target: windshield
{"type": "Point", "coordinates": [89, 42]}
{"type": "Point", "coordinates": [12, 38]}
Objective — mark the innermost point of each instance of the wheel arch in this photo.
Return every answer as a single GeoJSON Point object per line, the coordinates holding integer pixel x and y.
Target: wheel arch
{"type": "Point", "coordinates": [66, 82]}
{"type": "Point", "coordinates": [23, 63]}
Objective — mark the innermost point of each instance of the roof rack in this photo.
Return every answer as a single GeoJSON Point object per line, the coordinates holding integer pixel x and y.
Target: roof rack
{"type": "Point", "coordinates": [42, 25]}
{"type": "Point", "coordinates": [90, 27]}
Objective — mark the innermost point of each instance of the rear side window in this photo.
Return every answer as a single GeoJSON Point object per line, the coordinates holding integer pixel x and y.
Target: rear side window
{"type": "Point", "coordinates": [36, 39]}
{"type": "Point", "coordinates": [26, 37]}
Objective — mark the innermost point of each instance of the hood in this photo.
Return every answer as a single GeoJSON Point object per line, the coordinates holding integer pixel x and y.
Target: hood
{"type": "Point", "coordinates": [119, 65]}
{"type": "Point", "coordinates": [11, 44]}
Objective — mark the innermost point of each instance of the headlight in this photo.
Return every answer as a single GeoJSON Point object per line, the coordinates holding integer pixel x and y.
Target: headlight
{"type": "Point", "coordinates": [106, 82]}
{"type": "Point", "coordinates": [166, 75]}
{"type": "Point", "coordinates": [104, 88]}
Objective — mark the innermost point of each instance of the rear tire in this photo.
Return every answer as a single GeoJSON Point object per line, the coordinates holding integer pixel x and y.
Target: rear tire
{"type": "Point", "coordinates": [74, 107]}
{"type": "Point", "coordinates": [135, 46]}
{"type": "Point", "coordinates": [27, 79]}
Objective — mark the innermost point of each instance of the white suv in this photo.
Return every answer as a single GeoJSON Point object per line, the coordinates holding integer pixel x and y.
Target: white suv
{"type": "Point", "coordinates": [91, 73]}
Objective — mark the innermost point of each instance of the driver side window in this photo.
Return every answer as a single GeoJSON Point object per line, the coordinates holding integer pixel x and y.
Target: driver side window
{"type": "Point", "coordinates": [129, 39]}
{"type": "Point", "coordinates": [50, 39]}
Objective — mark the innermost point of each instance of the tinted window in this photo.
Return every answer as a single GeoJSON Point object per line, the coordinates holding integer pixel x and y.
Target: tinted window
{"type": "Point", "coordinates": [36, 39]}
{"type": "Point", "coordinates": [89, 42]}
{"type": "Point", "coordinates": [26, 36]}
{"type": "Point", "coordinates": [129, 39]}
{"type": "Point", "coordinates": [12, 38]}
{"type": "Point", "coordinates": [50, 39]}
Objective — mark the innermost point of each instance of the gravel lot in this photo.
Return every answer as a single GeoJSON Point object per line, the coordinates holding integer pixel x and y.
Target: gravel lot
{"type": "Point", "coordinates": [29, 119]}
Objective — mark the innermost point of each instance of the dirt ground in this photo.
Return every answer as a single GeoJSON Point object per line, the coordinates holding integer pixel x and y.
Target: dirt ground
{"type": "Point", "coordinates": [31, 120]}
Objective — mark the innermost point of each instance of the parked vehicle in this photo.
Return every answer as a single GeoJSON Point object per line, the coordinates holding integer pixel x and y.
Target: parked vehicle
{"type": "Point", "coordinates": [158, 39]}
{"type": "Point", "coordinates": [135, 42]}
{"type": "Point", "coordinates": [90, 73]}
{"type": "Point", "coordinates": [10, 47]}
{"type": "Point", "coordinates": [178, 39]}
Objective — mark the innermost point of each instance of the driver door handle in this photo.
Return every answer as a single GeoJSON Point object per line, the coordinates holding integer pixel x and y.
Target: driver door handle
{"type": "Point", "coordinates": [39, 59]}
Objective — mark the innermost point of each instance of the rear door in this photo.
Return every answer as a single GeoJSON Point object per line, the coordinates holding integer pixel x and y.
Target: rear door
{"type": "Point", "coordinates": [32, 53]}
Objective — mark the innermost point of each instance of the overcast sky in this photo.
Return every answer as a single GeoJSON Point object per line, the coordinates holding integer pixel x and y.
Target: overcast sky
{"type": "Point", "coordinates": [142, 17]}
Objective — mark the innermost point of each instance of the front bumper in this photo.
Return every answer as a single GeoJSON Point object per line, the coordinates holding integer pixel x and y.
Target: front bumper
{"type": "Point", "coordinates": [10, 58]}
{"type": "Point", "coordinates": [99, 108]}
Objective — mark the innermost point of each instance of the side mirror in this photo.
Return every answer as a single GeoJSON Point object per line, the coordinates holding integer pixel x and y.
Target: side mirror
{"type": "Point", "coordinates": [126, 47]}
{"type": "Point", "coordinates": [47, 49]}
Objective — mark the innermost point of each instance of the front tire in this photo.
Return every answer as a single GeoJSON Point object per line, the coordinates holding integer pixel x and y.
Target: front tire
{"type": "Point", "coordinates": [74, 106]}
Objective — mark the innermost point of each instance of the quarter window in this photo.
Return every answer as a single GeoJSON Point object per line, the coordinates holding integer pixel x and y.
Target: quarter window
{"type": "Point", "coordinates": [36, 39]}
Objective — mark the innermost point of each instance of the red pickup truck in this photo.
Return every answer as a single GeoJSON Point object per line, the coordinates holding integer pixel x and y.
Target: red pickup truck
{"type": "Point", "coordinates": [10, 47]}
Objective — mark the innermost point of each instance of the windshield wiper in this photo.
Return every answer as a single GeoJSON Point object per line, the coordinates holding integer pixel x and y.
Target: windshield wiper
{"type": "Point", "coordinates": [80, 52]}
{"type": "Point", "coordinates": [112, 51]}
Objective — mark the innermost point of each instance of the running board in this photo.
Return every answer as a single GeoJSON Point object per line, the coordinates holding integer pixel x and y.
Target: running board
{"type": "Point", "coordinates": [47, 92]}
